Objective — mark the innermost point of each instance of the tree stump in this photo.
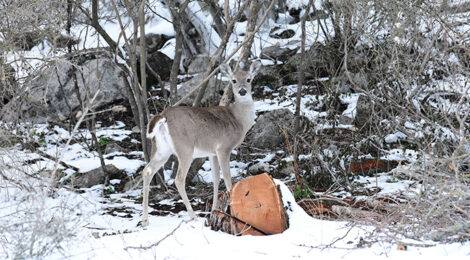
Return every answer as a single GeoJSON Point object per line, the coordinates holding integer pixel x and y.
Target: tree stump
{"type": "Point", "coordinates": [254, 207]}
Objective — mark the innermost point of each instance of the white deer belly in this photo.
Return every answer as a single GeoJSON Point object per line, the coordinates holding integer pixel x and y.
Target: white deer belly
{"type": "Point", "coordinates": [201, 154]}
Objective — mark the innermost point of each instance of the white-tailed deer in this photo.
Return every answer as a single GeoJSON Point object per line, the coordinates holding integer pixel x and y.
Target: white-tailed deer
{"type": "Point", "coordinates": [195, 132]}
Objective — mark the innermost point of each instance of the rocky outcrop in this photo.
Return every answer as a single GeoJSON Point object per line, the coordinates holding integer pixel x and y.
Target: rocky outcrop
{"type": "Point", "coordinates": [51, 95]}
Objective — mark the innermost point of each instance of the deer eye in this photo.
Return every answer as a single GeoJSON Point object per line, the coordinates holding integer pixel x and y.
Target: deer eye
{"type": "Point", "coordinates": [234, 81]}
{"type": "Point", "coordinates": [248, 80]}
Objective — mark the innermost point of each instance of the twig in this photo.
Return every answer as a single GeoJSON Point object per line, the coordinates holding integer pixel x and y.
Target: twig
{"type": "Point", "coordinates": [159, 241]}
{"type": "Point", "coordinates": [340, 238]}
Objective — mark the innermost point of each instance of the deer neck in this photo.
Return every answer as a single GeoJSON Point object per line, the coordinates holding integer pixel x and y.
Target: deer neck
{"type": "Point", "coordinates": [244, 112]}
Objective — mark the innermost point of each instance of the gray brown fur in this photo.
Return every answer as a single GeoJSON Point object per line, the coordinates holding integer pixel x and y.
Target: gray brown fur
{"type": "Point", "coordinates": [152, 122]}
{"type": "Point", "coordinates": [191, 132]}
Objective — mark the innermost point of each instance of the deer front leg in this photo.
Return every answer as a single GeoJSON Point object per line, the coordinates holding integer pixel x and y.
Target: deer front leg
{"type": "Point", "coordinates": [215, 168]}
{"type": "Point", "coordinates": [224, 162]}
{"type": "Point", "coordinates": [184, 162]}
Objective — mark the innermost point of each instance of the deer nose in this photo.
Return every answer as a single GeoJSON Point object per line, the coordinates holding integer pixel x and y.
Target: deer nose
{"type": "Point", "coordinates": [242, 92]}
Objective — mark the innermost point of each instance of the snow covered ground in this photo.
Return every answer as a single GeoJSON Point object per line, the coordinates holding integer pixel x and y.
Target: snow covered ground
{"type": "Point", "coordinates": [172, 237]}
{"type": "Point", "coordinates": [98, 223]}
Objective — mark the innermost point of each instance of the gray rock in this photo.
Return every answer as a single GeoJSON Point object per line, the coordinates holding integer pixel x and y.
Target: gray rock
{"type": "Point", "coordinates": [26, 40]}
{"type": "Point", "coordinates": [114, 148]}
{"type": "Point", "coordinates": [319, 59]}
{"type": "Point", "coordinates": [212, 90]}
{"type": "Point", "coordinates": [51, 95]}
{"type": "Point", "coordinates": [267, 131]}
{"type": "Point", "coordinates": [260, 168]}
{"type": "Point", "coordinates": [363, 108]}
{"type": "Point", "coordinates": [94, 177]}
{"type": "Point", "coordinates": [135, 129]}
{"type": "Point", "coordinates": [199, 64]}
{"type": "Point", "coordinates": [161, 64]}
{"type": "Point", "coordinates": [278, 53]}
{"type": "Point", "coordinates": [7, 83]}
{"type": "Point", "coordinates": [154, 42]}
{"type": "Point", "coordinates": [282, 34]}
{"type": "Point", "coordinates": [63, 41]}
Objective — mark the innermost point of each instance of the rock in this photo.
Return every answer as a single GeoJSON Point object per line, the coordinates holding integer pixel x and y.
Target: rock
{"type": "Point", "coordinates": [62, 41]}
{"type": "Point", "coordinates": [363, 108]}
{"type": "Point", "coordinates": [267, 131]}
{"type": "Point", "coordinates": [154, 42]}
{"type": "Point", "coordinates": [158, 61]}
{"type": "Point", "coordinates": [161, 64]}
{"type": "Point", "coordinates": [284, 34]}
{"type": "Point", "coordinates": [212, 91]}
{"type": "Point", "coordinates": [114, 148]}
{"type": "Point", "coordinates": [7, 83]}
{"type": "Point", "coordinates": [199, 64]}
{"type": "Point", "coordinates": [277, 52]}
{"type": "Point", "coordinates": [135, 129]}
{"type": "Point", "coordinates": [94, 177]}
{"type": "Point", "coordinates": [51, 95]}
{"type": "Point", "coordinates": [260, 168]}
{"type": "Point", "coordinates": [26, 40]}
{"type": "Point", "coordinates": [319, 60]}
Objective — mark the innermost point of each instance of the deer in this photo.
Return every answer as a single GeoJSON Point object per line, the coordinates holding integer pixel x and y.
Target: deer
{"type": "Point", "coordinates": [198, 132]}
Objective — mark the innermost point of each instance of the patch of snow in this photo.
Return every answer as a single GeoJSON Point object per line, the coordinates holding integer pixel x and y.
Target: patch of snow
{"type": "Point", "coordinates": [169, 48]}
{"type": "Point", "coordinates": [401, 155]}
{"type": "Point", "coordinates": [394, 138]}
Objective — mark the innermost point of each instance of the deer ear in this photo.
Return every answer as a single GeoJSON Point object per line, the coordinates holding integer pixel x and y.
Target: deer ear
{"type": "Point", "coordinates": [255, 67]}
{"type": "Point", "coordinates": [225, 69]}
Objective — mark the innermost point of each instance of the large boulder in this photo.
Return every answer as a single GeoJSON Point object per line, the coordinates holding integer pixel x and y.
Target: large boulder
{"type": "Point", "coordinates": [51, 94]}
{"type": "Point", "coordinates": [211, 93]}
{"type": "Point", "coordinates": [267, 133]}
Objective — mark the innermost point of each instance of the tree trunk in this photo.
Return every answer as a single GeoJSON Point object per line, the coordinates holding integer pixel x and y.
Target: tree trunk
{"type": "Point", "coordinates": [251, 25]}
{"type": "Point", "coordinates": [176, 15]}
{"type": "Point", "coordinates": [301, 70]}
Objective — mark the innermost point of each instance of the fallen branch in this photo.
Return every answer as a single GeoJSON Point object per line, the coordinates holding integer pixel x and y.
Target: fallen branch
{"type": "Point", "coordinates": [52, 158]}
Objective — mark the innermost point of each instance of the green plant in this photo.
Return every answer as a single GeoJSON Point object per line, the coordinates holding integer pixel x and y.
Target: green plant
{"type": "Point", "coordinates": [302, 193]}
{"type": "Point", "coordinates": [104, 141]}
{"type": "Point", "coordinates": [40, 138]}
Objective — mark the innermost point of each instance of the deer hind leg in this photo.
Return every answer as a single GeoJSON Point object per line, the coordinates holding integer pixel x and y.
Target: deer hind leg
{"type": "Point", "coordinates": [184, 162]}
{"type": "Point", "coordinates": [215, 168]}
{"type": "Point", "coordinates": [156, 162]}
{"type": "Point", "coordinates": [224, 161]}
